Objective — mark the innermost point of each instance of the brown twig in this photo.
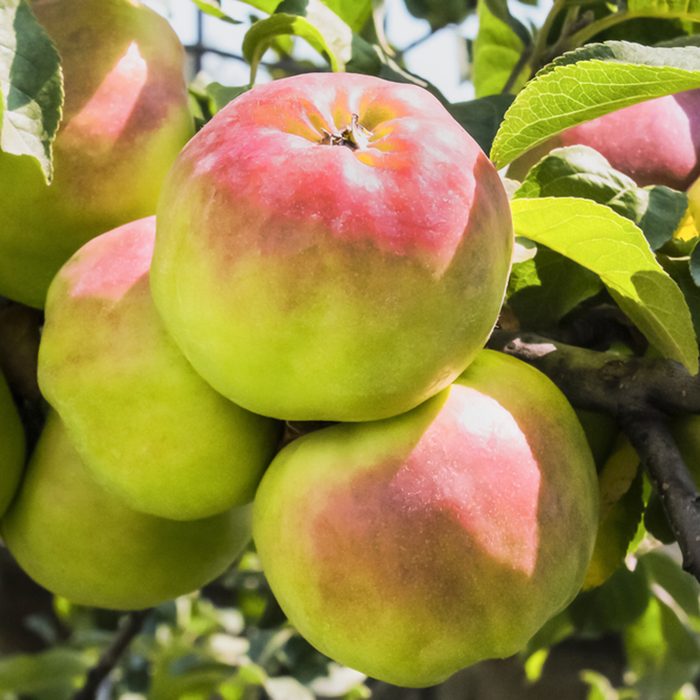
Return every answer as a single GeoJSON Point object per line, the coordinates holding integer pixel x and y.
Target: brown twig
{"type": "Point", "coordinates": [653, 441]}
{"type": "Point", "coordinates": [640, 393]}
{"type": "Point", "coordinates": [131, 625]}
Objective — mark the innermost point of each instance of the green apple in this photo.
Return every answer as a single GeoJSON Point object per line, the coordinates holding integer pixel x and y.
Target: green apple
{"type": "Point", "coordinates": [150, 428]}
{"type": "Point", "coordinates": [331, 247]}
{"type": "Point", "coordinates": [85, 544]}
{"type": "Point", "coordinates": [11, 447]}
{"type": "Point", "coordinates": [125, 118]}
{"type": "Point", "coordinates": [411, 547]}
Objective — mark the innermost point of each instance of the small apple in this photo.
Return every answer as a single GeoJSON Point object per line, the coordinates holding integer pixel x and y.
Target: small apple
{"type": "Point", "coordinates": [331, 247]}
{"type": "Point", "coordinates": [125, 118]}
{"type": "Point", "coordinates": [656, 142]}
{"type": "Point", "coordinates": [85, 544]}
{"type": "Point", "coordinates": [11, 447]}
{"type": "Point", "coordinates": [148, 426]}
{"type": "Point", "coordinates": [411, 547]}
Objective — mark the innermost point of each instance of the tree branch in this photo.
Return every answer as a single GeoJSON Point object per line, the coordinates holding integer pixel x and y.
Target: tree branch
{"type": "Point", "coordinates": [640, 393]}
{"type": "Point", "coordinates": [604, 381]}
{"type": "Point", "coordinates": [653, 441]}
{"type": "Point", "coordinates": [130, 626]}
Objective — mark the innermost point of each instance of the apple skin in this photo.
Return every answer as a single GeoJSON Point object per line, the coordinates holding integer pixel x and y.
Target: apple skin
{"type": "Point", "coordinates": [310, 281]}
{"type": "Point", "coordinates": [83, 543]}
{"type": "Point", "coordinates": [12, 447]}
{"type": "Point", "coordinates": [151, 429]}
{"type": "Point", "coordinates": [125, 118]}
{"type": "Point", "coordinates": [411, 547]}
{"type": "Point", "coordinates": [656, 142]}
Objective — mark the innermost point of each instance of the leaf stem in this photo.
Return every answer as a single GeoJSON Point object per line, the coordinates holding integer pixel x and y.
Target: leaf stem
{"type": "Point", "coordinates": [541, 42]}
{"type": "Point", "coordinates": [517, 70]}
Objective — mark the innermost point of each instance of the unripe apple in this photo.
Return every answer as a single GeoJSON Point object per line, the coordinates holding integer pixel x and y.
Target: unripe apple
{"type": "Point", "coordinates": [151, 429]}
{"type": "Point", "coordinates": [656, 142]}
{"type": "Point", "coordinates": [125, 118]}
{"type": "Point", "coordinates": [331, 247]}
{"type": "Point", "coordinates": [11, 447]}
{"type": "Point", "coordinates": [85, 544]}
{"type": "Point", "coordinates": [411, 547]}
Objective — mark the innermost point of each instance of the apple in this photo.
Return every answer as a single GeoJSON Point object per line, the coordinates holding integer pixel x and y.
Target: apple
{"type": "Point", "coordinates": [83, 543]}
{"type": "Point", "coordinates": [656, 142]}
{"type": "Point", "coordinates": [411, 547]}
{"type": "Point", "coordinates": [125, 118]}
{"type": "Point", "coordinates": [11, 447]}
{"type": "Point", "coordinates": [331, 247]}
{"type": "Point", "coordinates": [148, 426]}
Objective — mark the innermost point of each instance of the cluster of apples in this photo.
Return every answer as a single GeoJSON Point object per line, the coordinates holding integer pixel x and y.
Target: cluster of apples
{"type": "Point", "coordinates": [330, 248]}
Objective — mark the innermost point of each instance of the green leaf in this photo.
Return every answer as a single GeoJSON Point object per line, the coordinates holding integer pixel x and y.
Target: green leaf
{"type": "Point", "coordinates": [221, 95]}
{"type": "Point", "coordinates": [678, 269]}
{"type": "Point", "coordinates": [615, 249]}
{"type": "Point", "coordinates": [497, 50]}
{"type": "Point", "coordinates": [179, 671]}
{"type": "Point", "coordinates": [666, 9]}
{"type": "Point", "coordinates": [600, 688]}
{"type": "Point", "coordinates": [689, 40]}
{"type": "Point", "coordinates": [621, 508]}
{"type": "Point", "coordinates": [682, 588]}
{"type": "Point", "coordinates": [587, 83]}
{"type": "Point", "coordinates": [694, 265]}
{"type": "Point", "coordinates": [268, 6]}
{"type": "Point", "coordinates": [620, 601]}
{"type": "Point", "coordinates": [544, 289]}
{"type": "Point", "coordinates": [31, 86]}
{"type": "Point", "coordinates": [354, 12]}
{"type": "Point", "coordinates": [580, 171]}
{"type": "Point", "coordinates": [499, 9]}
{"type": "Point", "coordinates": [661, 651]}
{"type": "Point", "coordinates": [481, 118]}
{"type": "Point", "coordinates": [213, 8]}
{"type": "Point", "coordinates": [55, 669]}
{"type": "Point", "coordinates": [309, 19]}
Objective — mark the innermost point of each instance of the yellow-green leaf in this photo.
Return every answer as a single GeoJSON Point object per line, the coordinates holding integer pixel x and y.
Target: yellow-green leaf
{"type": "Point", "coordinates": [615, 249]}
{"type": "Point", "coordinates": [587, 83]}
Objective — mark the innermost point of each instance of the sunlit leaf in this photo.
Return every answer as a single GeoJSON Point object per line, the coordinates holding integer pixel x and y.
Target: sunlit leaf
{"type": "Point", "coordinates": [580, 171]}
{"type": "Point", "coordinates": [31, 86]}
{"type": "Point", "coordinates": [614, 248]}
{"type": "Point", "coordinates": [588, 82]}
{"type": "Point", "coordinates": [311, 20]}
{"type": "Point", "coordinates": [497, 50]}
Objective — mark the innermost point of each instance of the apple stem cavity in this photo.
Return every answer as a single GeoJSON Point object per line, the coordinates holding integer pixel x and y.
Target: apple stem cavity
{"type": "Point", "coordinates": [354, 135]}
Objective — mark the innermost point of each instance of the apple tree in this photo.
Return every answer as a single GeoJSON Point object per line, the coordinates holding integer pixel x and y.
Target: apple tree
{"type": "Point", "coordinates": [438, 359]}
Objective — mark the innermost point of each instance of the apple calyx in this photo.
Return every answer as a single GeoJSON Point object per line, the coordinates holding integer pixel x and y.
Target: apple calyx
{"type": "Point", "coordinates": [354, 135]}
